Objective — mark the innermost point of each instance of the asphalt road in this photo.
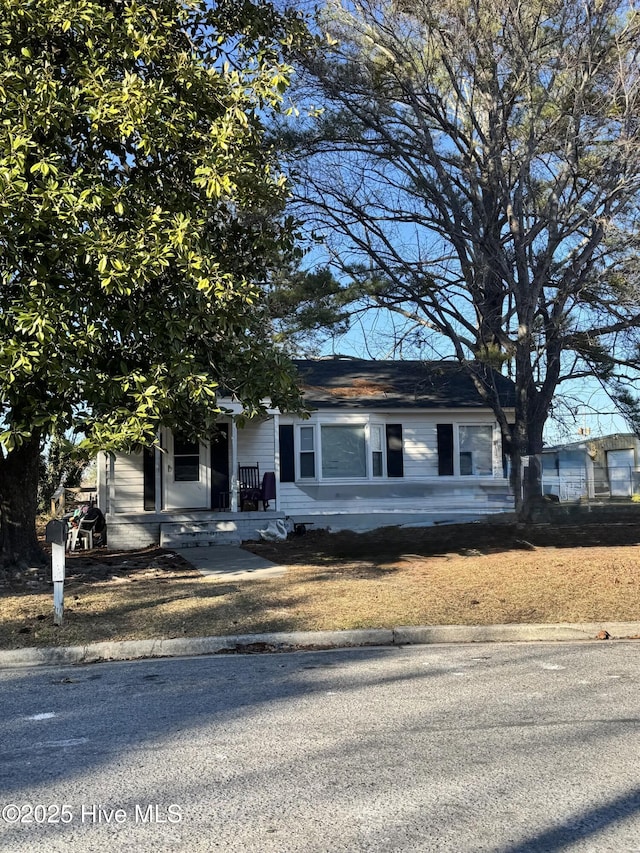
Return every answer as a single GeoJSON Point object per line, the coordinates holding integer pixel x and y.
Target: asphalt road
{"type": "Point", "coordinates": [505, 748]}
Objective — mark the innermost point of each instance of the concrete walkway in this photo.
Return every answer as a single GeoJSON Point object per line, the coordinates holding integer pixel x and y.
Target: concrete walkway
{"type": "Point", "coordinates": [229, 562]}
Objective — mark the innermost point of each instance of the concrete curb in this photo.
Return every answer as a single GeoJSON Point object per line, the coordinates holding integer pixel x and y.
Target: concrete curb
{"type": "Point", "coordinates": [310, 640]}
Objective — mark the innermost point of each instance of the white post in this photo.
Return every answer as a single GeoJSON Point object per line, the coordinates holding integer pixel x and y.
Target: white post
{"type": "Point", "coordinates": [158, 478]}
{"type": "Point", "coordinates": [233, 503]}
{"type": "Point", "coordinates": [276, 456]}
{"type": "Point", "coordinates": [111, 493]}
{"type": "Point", "coordinates": [57, 576]}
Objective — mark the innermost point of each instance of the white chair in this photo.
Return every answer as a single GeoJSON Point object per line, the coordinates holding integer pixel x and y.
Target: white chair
{"type": "Point", "coordinates": [83, 532]}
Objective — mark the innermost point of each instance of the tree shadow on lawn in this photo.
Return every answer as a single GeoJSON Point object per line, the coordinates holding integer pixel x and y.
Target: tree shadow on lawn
{"type": "Point", "coordinates": [209, 609]}
{"type": "Point", "coordinates": [100, 565]}
{"type": "Point", "coordinates": [112, 611]}
{"type": "Point", "coordinates": [389, 544]}
{"type": "Point", "coordinates": [347, 570]}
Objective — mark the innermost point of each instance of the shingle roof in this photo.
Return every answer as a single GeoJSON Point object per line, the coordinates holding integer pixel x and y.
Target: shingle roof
{"type": "Point", "coordinates": [358, 383]}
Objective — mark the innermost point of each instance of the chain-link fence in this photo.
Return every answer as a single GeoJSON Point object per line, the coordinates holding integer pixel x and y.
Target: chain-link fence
{"type": "Point", "coordinates": [599, 484]}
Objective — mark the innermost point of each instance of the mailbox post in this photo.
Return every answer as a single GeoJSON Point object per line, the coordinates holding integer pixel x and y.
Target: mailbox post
{"type": "Point", "coordinates": [56, 533]}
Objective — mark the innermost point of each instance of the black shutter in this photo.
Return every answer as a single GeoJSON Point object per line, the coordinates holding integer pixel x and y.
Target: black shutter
{"type": "Point", "coordinates": [287, 457]}
{"type": "Point", "coordinates": [149, 478]}
{"type": "Point", "coordinates": [395, 462]}
{"type": "Point", "coordinates": [445, 450]}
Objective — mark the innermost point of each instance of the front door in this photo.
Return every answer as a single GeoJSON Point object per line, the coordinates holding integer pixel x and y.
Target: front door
{"type": "Point", "coordinates": [220, 494]}
{"type": "Point", "coordinates": [186, 473]}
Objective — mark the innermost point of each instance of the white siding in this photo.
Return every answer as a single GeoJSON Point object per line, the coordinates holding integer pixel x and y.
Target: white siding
{"type": "Point", "coordinates": [438, 497]}
{"type": "Point", "coordinates": [256, 443]}
{"type": "Point", "coordinates": [129, 483]}
{"type": "Point", "coordinates": [420, 448]}
{"type": "Point", "coordinates": [420, 490]}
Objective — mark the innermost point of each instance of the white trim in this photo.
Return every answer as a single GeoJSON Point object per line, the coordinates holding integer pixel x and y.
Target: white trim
{"type": "Point", "coordinates": [232, 407]}
{"type": "Point", "coordinates": [298, 451]}
{"type": "Point", "coordinates": [456, 450]}
{"type": "Point", "coordinates": [233, 479]}
{"type": "Point", "coordinates": [316, 424]}
{"type": "Point", "coordinates": [199, 496]}
{"type": "Point", "coordinates": [380, 428]}
{"type": "Point", "coordinates": [111, 491]}
{"type": "Point", "coordinates": [375, 419]}
{"type": "Point", "coordinates": [276, 457]}
{"type": "Point", "coordinates": [435, 415]}
{"type": "Point", "coordinates": [158, 503]}
{"type": "Point", "coordinates": [102, 480]}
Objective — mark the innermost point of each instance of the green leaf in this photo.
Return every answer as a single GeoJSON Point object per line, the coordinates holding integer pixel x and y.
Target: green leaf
{"type": "Point", "coordinates": [130, 195]}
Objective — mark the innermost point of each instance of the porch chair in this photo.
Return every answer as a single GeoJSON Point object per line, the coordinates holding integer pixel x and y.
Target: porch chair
{"type": "Point", "coordinates": [92, 522]}
{"type": "Point", "coordinates": [253, 490]}
{"type": "Point", "coordinates": [249, 485]}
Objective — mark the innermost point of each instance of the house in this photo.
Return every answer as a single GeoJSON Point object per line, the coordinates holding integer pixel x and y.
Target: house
{"type": "Point", "coordinates": [386, 442]}
{"type": "Point", "coordinates": [593, 468]}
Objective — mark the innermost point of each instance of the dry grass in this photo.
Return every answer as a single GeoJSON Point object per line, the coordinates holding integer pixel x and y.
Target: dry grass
{"type": "Point", "coordinates": [412, 580]}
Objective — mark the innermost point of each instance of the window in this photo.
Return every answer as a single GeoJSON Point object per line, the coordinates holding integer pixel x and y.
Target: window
{"type": "Point", "coordinates": [474, 450]}
{"type": "Point", "coordinates": [186, 460]}
{"type": "Point", "coordinates": [344, 452]}
{"type": "Point", "coordinates": [307, 452]}
{"type": "Point", "coordinates": [377, 454]}
{"type": "Point", "coordinates": [332, 451]}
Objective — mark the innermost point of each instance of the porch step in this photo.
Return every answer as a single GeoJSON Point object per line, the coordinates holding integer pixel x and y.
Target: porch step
{"type": "Point", "coordinates": [191, 534]}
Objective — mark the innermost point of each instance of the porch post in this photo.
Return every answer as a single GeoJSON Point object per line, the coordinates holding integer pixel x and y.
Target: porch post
{"type": "Point", "coordinates": [111, 490]}
{"type": "Point", "coordinates": [233, 503]}
{"type": "Point", "coordinates": [158, 476]}
{"type": "Point", "coordinates": [276, 456]}
{"type": "Point", "coordinates": [102, 480]}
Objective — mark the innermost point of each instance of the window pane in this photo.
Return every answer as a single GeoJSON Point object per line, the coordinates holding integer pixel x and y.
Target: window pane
{"type": "Point", "coordinates": [307, 465]}
{"type": "Point", "coordinates": [376, 438]}
{"type": "Point", "coordinates": [375, 432]}
{"type": "Point", "coordinates": [466, 462]}
{"type": "Point", "coordinates": [306, 439]}
{"type": "Point", "coordinates": [185, 446]}
{"type": "Point", "coordinates": [307, 455]}
{"type": "Point", "coordinates": [476, 450]}
{"type": "Point", "coordinates": [187, 469]}
{"type": "Point", "coordinates": [343, 451]}
{"type": "Point", "coordinates": [186, 459]}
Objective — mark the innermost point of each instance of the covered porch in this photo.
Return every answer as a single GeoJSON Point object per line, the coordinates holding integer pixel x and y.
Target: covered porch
{"type": "Point", "coordinates": [184, 492]}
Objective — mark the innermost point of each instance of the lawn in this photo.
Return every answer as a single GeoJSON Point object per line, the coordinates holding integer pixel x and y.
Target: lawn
{"type": "Point", "coordinates": [454, 575]}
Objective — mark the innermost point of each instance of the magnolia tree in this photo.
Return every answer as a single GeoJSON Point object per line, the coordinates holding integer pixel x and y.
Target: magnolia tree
{"type": "Point", "coordinates": [140, 208]}
{"type": "Point", "coordinates": [475, 169]}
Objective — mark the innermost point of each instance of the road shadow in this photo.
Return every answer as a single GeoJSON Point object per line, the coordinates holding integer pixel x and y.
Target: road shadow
{"type": "Point", "coordinates": [63, 726]}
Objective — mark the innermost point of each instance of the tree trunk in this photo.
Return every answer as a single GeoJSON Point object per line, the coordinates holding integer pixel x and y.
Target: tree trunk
{"type": "Point", "coordinates": [18, 506]}
{"type": "Point", "coordinates": [527, 483]}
